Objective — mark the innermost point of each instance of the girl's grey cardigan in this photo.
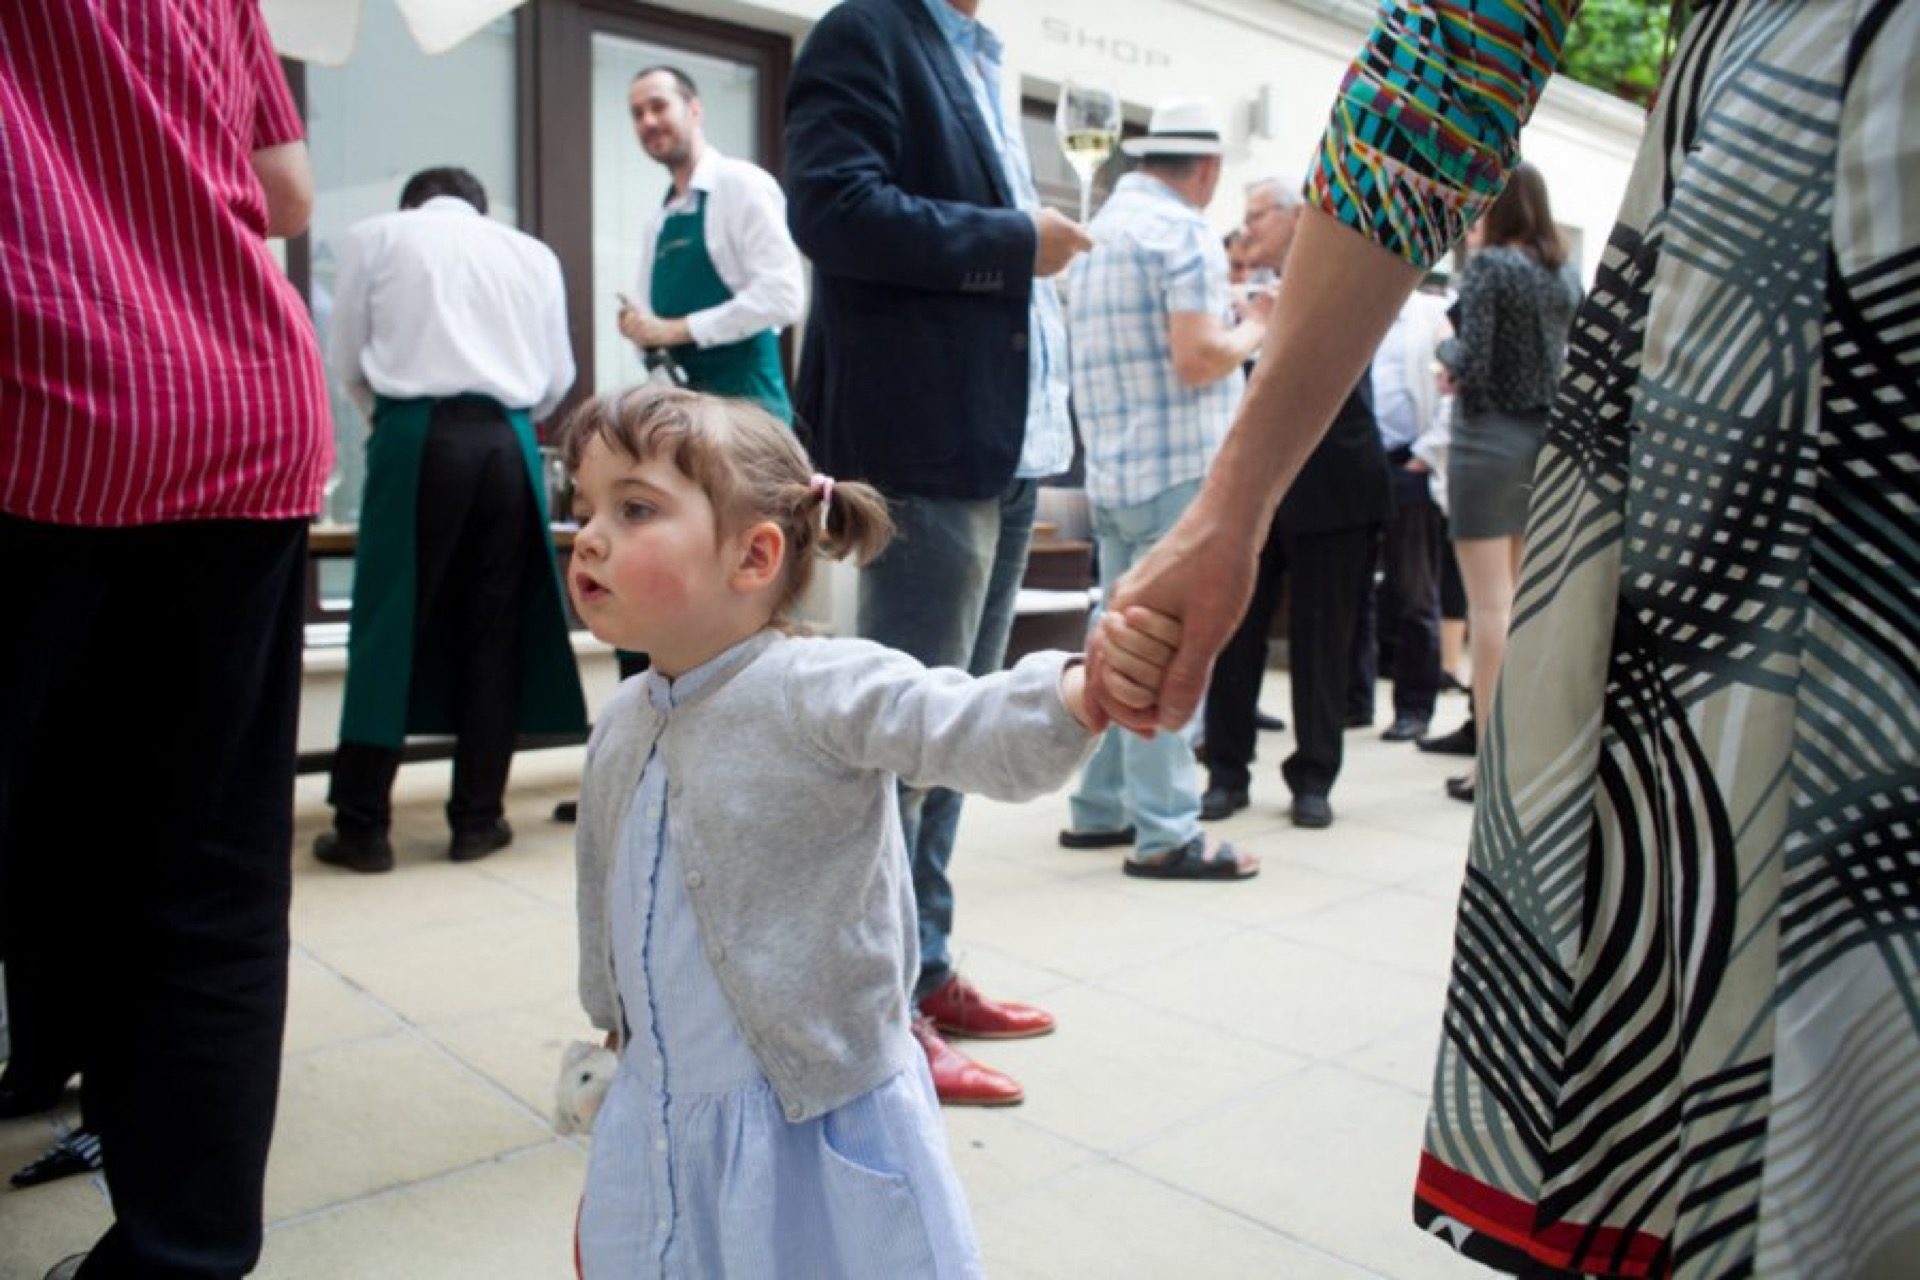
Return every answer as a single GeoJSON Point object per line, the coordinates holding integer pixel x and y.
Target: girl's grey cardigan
{"type": "Point", "coordinates": [781, 805]}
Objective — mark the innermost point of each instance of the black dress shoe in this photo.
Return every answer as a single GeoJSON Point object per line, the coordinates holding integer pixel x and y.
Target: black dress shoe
{"type": "Point", "coordinates": [1268, 724]}
{"type": "Point", "coordinates": [1312, 811]}
{"type": "Point", "coordinates": [471, 846]}
{"type": "Point", "coordinates": [567, 811]}
{"type": "Point", "coordinates": [1113, 839]}
{"type": "Point", "coordinates": [1404, 729]}
{"type": "Point", "coordinates": [1461, 788]}
{"type": "Point", "coordinates": [1461, 742]}
{"type": "Point", "coordinates": [368, 854]}
{"type": "Point", "coordinates": [1223, 802]}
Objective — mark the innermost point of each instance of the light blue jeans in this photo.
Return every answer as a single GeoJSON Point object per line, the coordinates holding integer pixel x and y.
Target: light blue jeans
{"type": "Point", "coordinates": [1147, 783]}
{"type": "Point", "coordinates": [944, 591]}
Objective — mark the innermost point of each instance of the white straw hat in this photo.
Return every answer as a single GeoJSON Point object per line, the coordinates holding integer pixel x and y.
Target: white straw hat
{"type": "Point", "coordinates": [1180, 127]}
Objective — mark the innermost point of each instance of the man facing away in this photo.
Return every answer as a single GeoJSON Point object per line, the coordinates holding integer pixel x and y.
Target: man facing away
{"type": "Point", "coordinates": [1405, 402]}
{"type": "Point", "coordinates": [719, 274]}
{"type": "Point", "coordinates": [1156, 376]}
{"type": "Point", "coordinates": [1322, 542]}
{"type": "Point", "coordinates": [451, 328]}
{"type": "Point", "coordinates": [164, 440]}
{"type": "Point", "coordinates": [935, 368]}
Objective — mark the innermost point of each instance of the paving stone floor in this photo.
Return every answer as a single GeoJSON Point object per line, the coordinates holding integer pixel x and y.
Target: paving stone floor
{"type": "Point", "coordinates": [1236, 1089]}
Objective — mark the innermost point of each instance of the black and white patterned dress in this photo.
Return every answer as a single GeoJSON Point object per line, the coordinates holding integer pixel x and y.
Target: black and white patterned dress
{"type": "Point", "coordinates": [1683, 1031]}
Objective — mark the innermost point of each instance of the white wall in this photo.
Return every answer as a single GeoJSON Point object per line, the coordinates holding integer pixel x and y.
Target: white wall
{"type": "Point", "coordinates": [1230, 50]}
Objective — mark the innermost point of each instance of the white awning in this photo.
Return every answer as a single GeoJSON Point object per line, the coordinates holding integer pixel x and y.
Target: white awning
{"type": "Point", "coordinates": [324, 31]}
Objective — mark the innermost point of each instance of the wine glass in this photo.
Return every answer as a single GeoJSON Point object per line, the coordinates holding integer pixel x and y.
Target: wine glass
{"type": "Point", "coordinates": [1088, 124]}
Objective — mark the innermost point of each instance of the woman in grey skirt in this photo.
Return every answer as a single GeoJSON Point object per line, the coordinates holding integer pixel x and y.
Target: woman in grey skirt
{"type": "Point", "coordinates": [1517, 297]}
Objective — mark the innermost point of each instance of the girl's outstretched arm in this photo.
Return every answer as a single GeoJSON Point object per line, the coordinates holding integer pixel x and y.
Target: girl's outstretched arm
{"type": "Point", "coordinates": [1011, 735]}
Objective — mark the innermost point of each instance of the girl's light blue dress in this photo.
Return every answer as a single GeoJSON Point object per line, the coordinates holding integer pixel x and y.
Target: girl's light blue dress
{"type": "Point", "coordinates": [694, 1171]}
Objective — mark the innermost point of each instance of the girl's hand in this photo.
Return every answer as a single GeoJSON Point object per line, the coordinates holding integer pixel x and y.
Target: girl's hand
{"type": "Point", "coordinates": [1136, 644]}
{"type": "Point", "coordinates": [1073, 692]}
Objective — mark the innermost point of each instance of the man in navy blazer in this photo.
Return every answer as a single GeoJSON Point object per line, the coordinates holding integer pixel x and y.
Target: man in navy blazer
{"type": "Point", "coordinates": [934, 367]}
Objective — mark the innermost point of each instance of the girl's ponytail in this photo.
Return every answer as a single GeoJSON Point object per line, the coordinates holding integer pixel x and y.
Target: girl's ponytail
{"type": "Point", "coordinates": [858, 523]}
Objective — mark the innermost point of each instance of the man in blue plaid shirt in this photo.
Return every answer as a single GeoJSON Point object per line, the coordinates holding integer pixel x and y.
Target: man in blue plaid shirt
{"type": "Point", "coordinates": [1156, 371]}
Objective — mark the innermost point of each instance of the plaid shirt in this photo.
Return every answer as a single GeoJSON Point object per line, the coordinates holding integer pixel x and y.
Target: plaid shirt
{"type": "Point", "coordinates": [1153, 255]}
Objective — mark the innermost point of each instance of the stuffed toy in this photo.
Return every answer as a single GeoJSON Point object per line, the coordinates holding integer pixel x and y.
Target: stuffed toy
{"type": "Point", "coordinates": [585, 1072]}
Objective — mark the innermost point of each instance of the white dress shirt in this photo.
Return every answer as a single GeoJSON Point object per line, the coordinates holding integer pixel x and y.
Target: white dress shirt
{"type": "Point", "coordinates": [751, 249]}
{"type": "Point", "coordinates": [441, 301]}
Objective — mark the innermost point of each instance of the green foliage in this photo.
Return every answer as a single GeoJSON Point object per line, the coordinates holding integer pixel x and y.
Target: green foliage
{"type": "Point", "coordinates": [1619, 46]}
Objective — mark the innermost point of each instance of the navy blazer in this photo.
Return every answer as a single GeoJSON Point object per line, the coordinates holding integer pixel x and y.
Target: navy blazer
{"type": "Point", "coordinates": [913, 375]}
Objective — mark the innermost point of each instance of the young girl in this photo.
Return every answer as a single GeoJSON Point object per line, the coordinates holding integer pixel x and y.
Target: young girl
{"type": "Point", "coordinates": [746, 924]}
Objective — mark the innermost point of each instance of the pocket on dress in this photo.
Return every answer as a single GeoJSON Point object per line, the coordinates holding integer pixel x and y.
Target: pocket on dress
{"type": "Point", "coordinates": [872, 1213]}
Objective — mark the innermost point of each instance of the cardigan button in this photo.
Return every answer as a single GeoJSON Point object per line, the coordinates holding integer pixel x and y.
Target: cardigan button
{"type": "Point", "coordinates": [794, 1112]}
{"type": "Point", "coordinates": [695, 879]}
{"type": "Point", "coordinates": [1019, 342]}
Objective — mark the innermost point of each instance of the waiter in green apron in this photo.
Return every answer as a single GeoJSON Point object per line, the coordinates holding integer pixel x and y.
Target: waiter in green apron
{"type": "Point", "coordinates": [451, 329]}
{"type": "Point", "coordinates": [719, 274]}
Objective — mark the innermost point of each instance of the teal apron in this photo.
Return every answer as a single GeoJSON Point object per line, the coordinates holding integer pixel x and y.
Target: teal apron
{"type": "Point", "coordinates": [388, 696]}
{"type": "Point", "coordinates": [684, 282]}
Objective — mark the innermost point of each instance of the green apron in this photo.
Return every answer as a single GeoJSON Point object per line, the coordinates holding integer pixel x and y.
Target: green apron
{"type": "Point", "coordinates": [684, 282]}
{"type": "Point", "coordinates": [393, 691]}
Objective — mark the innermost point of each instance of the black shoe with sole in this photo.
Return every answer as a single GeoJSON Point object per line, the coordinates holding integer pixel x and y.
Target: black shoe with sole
{"type": "Point", "coordinates": [1404, 729]}
{"type": "Point", "coordinates": [366, 854]}
{"type": "Point", "coordinates": [1461, 742]}
{"type": "Point", "coordinates": [471, 846]}
{"type": "Point", "coordinates": [1461, 788]}
{"type": "Point", "coordinates": [1268, 724]}
{"type": "Point", "coordinates": [1071, 839]}
{"type": "Point", "coordinates": [1222, 802]}
{"type": "Point", "coordinates": [1312, 811]}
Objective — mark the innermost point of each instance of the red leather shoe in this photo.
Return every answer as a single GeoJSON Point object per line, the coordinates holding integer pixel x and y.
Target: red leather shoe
{"type": "Point", "coordinates": [957, 1008]}
{"type": "Point", "coordinates": [958, 1080]}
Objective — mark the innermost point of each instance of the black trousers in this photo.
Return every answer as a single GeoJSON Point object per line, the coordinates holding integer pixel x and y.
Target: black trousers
{"type": "Point", "coordinates": [475, 527]}
{"type": "Point", "coordinates": [1329, 574]}
{"type": "Point", "coordinates": [1402, 634]}
{"type": "Point", "coordinates": [149, 692]}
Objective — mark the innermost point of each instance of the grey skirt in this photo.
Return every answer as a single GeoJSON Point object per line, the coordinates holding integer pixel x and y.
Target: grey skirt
{"type": "Point", "coordinates": [1490, 472]}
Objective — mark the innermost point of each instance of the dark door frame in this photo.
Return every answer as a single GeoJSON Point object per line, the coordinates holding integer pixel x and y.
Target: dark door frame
{"type": "Point", "coordinates": [556, 164]}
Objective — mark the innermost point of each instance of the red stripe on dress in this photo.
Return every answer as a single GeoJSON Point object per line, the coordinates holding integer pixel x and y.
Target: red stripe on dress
{"type": "Point", "coordinates": [1570, 1246]}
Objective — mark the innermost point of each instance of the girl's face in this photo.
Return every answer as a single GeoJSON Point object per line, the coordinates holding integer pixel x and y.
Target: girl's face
{"type": "Point", "coordinates": [649, 573]}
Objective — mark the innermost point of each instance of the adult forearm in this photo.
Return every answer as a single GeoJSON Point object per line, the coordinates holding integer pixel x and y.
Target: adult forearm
{"type": "Point", "coordinates": [764, 304]}
{"type": "Point", "coordinates": [1338, 299]}
{"type": "Point", "coordinates": [286, 177]}
{"type": "Point", "coordinates": [1214, 352]}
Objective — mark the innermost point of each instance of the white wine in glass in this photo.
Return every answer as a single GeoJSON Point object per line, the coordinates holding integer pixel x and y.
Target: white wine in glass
{"type": "Point", "coordinates": [1088, 124]}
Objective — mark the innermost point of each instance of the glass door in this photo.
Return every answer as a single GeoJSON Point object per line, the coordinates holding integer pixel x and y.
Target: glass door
{"type": "Point", "coordinates": [628, 186]}
{"type": "Point", "coordinates": [594, 186]}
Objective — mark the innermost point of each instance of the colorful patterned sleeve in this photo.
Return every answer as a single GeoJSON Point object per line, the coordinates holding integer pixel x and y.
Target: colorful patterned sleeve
{"type": "Point", "coordinates": [1427, 124]}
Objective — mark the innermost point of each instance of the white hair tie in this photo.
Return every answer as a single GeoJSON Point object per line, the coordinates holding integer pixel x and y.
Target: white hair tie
{"type": "Point", "coordinates": [822, 487]}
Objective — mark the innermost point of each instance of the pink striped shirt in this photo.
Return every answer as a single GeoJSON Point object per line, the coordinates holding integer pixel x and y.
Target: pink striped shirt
{"type": "Point", "coordinates": [155, 363]}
